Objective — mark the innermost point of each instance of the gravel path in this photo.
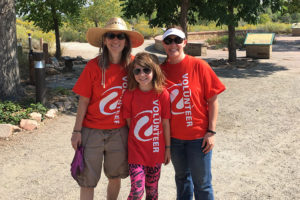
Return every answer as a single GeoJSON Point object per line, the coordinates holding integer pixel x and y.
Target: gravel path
{"type": "Point", "coordinates": [257, 148]}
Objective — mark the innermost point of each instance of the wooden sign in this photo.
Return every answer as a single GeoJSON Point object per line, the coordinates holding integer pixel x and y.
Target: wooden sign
{"type": "Point", "coordinates": [259, 38]}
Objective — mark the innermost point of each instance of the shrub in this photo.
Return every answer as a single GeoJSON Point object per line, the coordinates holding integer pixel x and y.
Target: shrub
{"type": "Point", "coordinates": [146, 30]}
{"type": "Point", "coordinates": [62, 91]}
{"type": "Point", "coordinates": [221, 42]}
{"type": "Point", "coordinates": [275, 27]}
{"type": "Point", "coordinates": [25, 27]}
{"type": "Point", "coordinates": [12, 112]}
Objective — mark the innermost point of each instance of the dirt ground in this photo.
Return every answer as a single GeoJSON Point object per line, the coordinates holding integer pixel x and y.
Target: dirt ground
{"type": "Point", "coordinates": [257, 143]}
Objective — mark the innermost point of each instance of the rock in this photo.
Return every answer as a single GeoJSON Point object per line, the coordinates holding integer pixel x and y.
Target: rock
{"type": "Point", "coordinates": [60, 105]}
{"type": "Point", "coordinates": [36, 116]}
{"type": "Point", "coordinates": [67, 105]}
{"type": "Point", "coordinates": [16, 128]}
{"type": "Point", "coordinates": [6, 130]}
{"type": "Point", "coordinates": [51, 113]}
{"type": "Point", "coordinates": [28, 124]}
{"type": "Point", "coordinates": [52, 71]}
{"type": "Point", "coordinates": [54, 62]}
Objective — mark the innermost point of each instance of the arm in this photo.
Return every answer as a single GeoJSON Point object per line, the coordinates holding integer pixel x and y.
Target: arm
{"type": "Point", "coordinates": [81, 111]}
{"type": "Point", "coordinates": [128, 122]}
{"type": "Point", "coordinates": [166, 128]}
{"type": "Point", "coordinates": [209, 138]}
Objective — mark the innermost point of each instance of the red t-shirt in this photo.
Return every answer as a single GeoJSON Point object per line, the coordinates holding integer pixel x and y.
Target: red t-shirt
{"type": "Point", "coordinates": [146, 142]}
{"type": "Point", "coordinates": [104, 109]}
{"type": "Point", "coordinates": [190, 83]}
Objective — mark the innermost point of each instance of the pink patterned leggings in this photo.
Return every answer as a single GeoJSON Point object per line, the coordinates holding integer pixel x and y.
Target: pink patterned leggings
{"type": "Point", "coordinates": [142, 176]}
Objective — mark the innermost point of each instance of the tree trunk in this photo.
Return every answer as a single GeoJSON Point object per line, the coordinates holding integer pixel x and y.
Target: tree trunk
{"type": "Point", "coordinates": [9, 68]}
{"type": "Point", "coordinates": [185, 4]}
{"type": "Point", "coordinates": [56, 30]}
{"type": "Point", "coordinates": [231, 37]}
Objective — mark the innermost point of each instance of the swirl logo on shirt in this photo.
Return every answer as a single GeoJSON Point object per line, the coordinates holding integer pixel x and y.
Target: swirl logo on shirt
{"type": "Point", "coordinates": [176, 99]}
{"type": "Point", "coordinates": [143, 129]}
{"type": "Point", "coordinates": [109, 102]}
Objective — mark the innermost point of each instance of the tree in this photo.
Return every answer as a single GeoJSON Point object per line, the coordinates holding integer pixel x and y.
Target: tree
{"type": "Point", "coordinates": [167, 11]}
{"type": "Point", "coordinates": [9, 69]}
{"type": "Point", "coordinates": [101, 10]}
{"type": "Point", "coordinates": [230, 12]}
{"type": "Point", "coordinates": [292, 6]}
{"type": "Point", "coordinates": [49, 14]}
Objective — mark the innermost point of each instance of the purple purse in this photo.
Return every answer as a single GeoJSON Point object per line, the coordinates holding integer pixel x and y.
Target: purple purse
{"type": "Point", "coordinates": [77, 164]}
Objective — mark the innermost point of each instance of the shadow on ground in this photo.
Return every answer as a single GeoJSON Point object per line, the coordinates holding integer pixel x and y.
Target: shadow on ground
{"type": "Point", "coordinates": [259, 70]}
{"type": "Point", "coordinates": [286, 46]}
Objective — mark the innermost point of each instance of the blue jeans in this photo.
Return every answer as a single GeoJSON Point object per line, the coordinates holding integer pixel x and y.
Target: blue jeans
{"type": "Point", "coordinates": [192, 170]}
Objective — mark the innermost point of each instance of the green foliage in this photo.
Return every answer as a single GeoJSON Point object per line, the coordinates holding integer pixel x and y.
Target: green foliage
{"type": "Point", "coordinates": [48, 14]}
{"type": "Point", "coordinates": [292, 6]}
{"type": "Point", "coordinates": [12, 112]}
{"type": "Point", "coordinates": [62, 91]}
{"type": "Point", "coordinates": [166, 12]}
{"type": "Point", "coordinates": [45, 14]}
{"type": "Point", "coordinates": [98, 11]}
{"type": "Point", "coordinates": [25, 27]}
{"type": "Point", "coordinates": [69, 34]}
{"type": "Point", "coordinates": [208, 27]}
{"type": "Point", "coordinates": [221, 42]}
{"type": "Point", "coordinates": [264, 18]}
{"type": "Point", "coordinates": [275, 27]}
{"type": "Point", "coordinates": [146, 30]}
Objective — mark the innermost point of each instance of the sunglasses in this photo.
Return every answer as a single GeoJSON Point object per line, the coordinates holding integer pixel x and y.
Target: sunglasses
{"type": "Point", "coordinates": [111, 36]}
{"type": "Point", "coordinates": [177, 40]}
{"type": "Point", "coordinates": [146, 70]}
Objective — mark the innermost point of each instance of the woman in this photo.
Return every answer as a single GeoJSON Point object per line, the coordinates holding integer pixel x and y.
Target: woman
{"type": "Point", "coordinates": [193, 88]}
{"type": "Point", "coordinates": [100, 127]}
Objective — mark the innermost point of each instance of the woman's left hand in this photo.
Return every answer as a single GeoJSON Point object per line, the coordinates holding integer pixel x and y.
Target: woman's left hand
{"type": "Point", "coordinates": [208, 142]}
{"type": "Point", "coordinates": [167, 156]}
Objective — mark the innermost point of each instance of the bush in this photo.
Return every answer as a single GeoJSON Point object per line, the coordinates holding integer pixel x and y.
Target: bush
{"type": "Point", "coordinates": [62, 91]}
{"type": "Point", "coordinates": [275, 27]}
{"type": "Point", "coordinates": [221, 42]}
{"type": "Point", "coordinates": [146, 30]}
{"type": "Point", "coordinates": [12, 112]}
{"type": "Point", "coordinates": [69, 34]}
{"type": "Point", "coordinates": [25, 27]}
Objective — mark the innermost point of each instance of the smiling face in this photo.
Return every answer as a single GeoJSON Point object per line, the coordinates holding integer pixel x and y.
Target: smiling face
{"type": "Point", "coordinates": [115, 44]}
{"type": "Point", "coordinates": [144, 76]}
{"type": "Point", "coordinates": [175, 51]}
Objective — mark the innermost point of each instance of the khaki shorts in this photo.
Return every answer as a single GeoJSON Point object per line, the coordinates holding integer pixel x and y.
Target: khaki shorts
{"type": "Point", "coordinates": [107, 146]}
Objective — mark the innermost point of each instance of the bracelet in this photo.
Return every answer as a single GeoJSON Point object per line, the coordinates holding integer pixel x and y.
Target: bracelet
{"type": "Point", "coordinates": [75, 131]}
{"type": "Point", "coordinates": [168, 147]}
{"type": "Point", "coordinates": [210, 131]}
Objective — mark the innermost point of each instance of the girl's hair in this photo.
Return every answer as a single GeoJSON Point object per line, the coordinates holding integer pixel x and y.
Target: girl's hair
{"type": "Point", "coordinates": [104, 54]}
{"type": "Point", "coordinates": [144, 59]}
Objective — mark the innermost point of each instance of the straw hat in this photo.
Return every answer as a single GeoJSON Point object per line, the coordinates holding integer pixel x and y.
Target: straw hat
{"type": "Point", "coordinates": [94, 35]}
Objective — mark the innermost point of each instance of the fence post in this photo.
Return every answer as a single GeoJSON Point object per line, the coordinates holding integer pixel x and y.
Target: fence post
{"type": "Point", "coordinates": [31, 61]}
{"type": "Point", "coordinates": [46, 53]}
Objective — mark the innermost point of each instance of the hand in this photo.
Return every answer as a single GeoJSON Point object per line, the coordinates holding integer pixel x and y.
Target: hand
{"type": "Point", "coordinates": [167, 156]}
{"type": "Point", "coordinates": [76, 140]}
{"type": "Point", "coordinates": [208, 142]}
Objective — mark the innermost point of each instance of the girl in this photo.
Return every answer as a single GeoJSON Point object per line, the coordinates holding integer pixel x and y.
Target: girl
{"type": "Point", "coordinates": [100, 127]}
{"type": "Point", "coordinates": [193, 88]}
{"type": "Point", "coordinates": [146, 107]}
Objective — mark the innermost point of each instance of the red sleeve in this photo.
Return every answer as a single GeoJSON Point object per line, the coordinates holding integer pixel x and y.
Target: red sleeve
{"type": "Point", "coordinates": [212, 84]}
{"type": "Point", "coordinates": [165, 104]}
{"type": "Point", "coordinates": [83, 86]}
{"type": "Point", "coordinates": [126, 104]}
